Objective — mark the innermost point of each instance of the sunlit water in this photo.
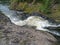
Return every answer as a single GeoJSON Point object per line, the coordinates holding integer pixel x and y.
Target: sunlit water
{"type": "Point", "coordinates": [37, 21]}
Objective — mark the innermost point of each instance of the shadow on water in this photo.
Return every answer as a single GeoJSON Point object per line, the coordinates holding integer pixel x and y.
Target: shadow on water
{"type": "Point", "coordinates": [5, 2]}
{"type": "Point", "coordinates": [57, 37]}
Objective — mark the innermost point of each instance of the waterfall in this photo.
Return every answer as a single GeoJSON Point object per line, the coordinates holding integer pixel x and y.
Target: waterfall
{"type": "Point", "coordinates": [12, 15]}
{"type": "Point", "coordinates": [37, 21]}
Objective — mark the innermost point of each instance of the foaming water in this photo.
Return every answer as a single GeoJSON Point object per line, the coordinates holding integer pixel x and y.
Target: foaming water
{"type": "Point", "coordinates": [9, 13]}
{"type": "Point", "coordinates": [37, 21]}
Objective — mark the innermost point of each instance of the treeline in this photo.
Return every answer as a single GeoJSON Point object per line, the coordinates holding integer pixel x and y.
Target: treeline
{"type": "Point", "coordinates": [33, 5]}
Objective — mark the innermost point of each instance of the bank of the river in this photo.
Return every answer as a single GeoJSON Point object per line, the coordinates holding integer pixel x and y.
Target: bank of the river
{"type": "Point", "coordinates": [11, 34]}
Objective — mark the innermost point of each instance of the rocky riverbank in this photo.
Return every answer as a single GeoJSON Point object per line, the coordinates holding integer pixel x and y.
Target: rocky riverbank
{"type": "Point", "coordinates": [11, 34]}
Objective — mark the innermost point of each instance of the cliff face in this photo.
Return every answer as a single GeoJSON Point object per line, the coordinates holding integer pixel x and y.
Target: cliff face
{"type": "Point", "coordinates": [15, 35]}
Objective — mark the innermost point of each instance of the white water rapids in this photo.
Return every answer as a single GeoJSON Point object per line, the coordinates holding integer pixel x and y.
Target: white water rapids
{"type": "Point", "coordinates": [37, 21]}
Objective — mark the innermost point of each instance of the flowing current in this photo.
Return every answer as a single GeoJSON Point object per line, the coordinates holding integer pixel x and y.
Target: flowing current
{"type": "Point", "coordinates": [39, 22]}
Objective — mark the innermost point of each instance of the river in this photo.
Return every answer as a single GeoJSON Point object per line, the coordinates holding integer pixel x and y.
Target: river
{"type": "Point", "coordinates": [16, 19]}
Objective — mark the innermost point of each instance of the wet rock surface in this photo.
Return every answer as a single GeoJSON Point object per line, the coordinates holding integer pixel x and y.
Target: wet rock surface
{"type": "Point", "coordinates": [11, 34]}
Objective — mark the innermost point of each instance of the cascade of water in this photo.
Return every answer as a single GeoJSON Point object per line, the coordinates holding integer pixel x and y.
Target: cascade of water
{"type": "Point", "coordinates": [11, 14]}
{"type": "Point", "coordinates": [37, 21]}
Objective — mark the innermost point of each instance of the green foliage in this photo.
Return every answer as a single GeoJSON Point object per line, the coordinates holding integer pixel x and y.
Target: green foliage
{"type": "Point", "coordinates": [33, 5]}
{"type": "Point", "coordinates": [13, 4]}
{"type": "Point", "coordinates": [46, 6]}
{"type": "Point", "coordinates": [22, 6]}
{"type": "Point", "coordinates": [32, 8]}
